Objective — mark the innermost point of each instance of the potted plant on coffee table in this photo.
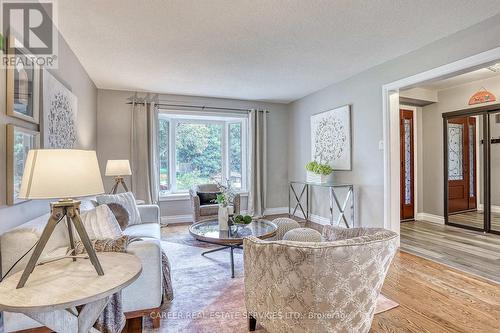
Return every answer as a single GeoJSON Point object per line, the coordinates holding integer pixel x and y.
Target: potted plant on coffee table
{"type": "Point", "coordinates": [225, 199]}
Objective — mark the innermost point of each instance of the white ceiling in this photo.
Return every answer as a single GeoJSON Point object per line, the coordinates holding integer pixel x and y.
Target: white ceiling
{"type": "Point", "coordinates": [479, 74]}
{"type": "Point", "coordinates": [272, 50]}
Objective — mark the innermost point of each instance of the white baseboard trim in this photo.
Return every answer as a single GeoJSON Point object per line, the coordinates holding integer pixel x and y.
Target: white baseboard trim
{"type": "Point", "coordinates": [166, 220]}
{"type": "Point", "coordinates": [314, 218]}
{"type": "Point", "coordinates": [494, 209]}
{"type": "Point", "coordinates": [430, 218]}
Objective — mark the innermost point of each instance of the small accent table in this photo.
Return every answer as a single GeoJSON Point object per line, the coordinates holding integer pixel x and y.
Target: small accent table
{"type": "Point", "coordinates": [303, 187]}
{"type": "Point", "coordinates": [208, 231]}
{"type": "Point", "coordinates": [55, 289]}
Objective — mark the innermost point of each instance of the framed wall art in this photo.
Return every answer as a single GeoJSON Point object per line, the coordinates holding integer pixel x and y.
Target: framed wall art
{"type": "Point", "coordinates": [331, 138]}
{"type": "Point", "coordinates": [23, 86]}
{"type": "Point", "coordinates": [19, 141]}
{"type": "Point", "coordinates": [59, 114]}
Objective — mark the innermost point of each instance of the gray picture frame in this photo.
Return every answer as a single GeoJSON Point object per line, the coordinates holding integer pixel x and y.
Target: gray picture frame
{"type": "Point", "coordinates": [331, 137]}
{"type": "Point", "coordinates": [23, 85]}
{"type": "Point", "coordinates": [16, 158]}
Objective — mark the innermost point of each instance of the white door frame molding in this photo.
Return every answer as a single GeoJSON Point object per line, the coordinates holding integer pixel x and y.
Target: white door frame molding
{"type": "Point", "coordinates": [390, 114]}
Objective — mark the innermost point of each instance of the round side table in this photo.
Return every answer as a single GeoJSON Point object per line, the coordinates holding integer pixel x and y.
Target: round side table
{"type": "Point", "coordinates": [54, 289]}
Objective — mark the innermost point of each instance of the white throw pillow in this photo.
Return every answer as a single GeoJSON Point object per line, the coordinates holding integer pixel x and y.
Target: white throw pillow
{"type": "Point", "coordinates": [100, 223]}
{"type": "Point", "coordinates": [127, 200]}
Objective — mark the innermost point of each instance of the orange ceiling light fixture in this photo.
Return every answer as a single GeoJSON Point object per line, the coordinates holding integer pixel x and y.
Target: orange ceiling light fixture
{"type": "Point", "coordinates": [482, 96]}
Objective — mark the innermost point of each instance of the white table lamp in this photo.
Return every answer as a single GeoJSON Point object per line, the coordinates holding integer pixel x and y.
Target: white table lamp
{"type": "Point", "coordinates": [118, 169]}
{"type": "Point", "coordinates": [61, 174]}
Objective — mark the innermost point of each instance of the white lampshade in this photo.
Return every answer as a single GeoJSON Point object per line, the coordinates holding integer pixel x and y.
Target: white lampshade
{"type": "Point", "coordinates": [60, 173]}
{"type": "Point", "coordinates": [118, 168]}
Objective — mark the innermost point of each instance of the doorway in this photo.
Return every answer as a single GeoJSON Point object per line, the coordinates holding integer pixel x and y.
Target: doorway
{"type": "Point", "coordinates": [472, 168]}
{"type": "Point", "coordinates": [407, 172]}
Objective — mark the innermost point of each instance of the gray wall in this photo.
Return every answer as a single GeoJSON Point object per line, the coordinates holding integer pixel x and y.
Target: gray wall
{"type": "Point", "coordinates": [72, 74]}
{"type": "Point", "coordinates": [364, 92]}
{"type": "Point", "coordinates": [113, 132]}
{"type": "Point", "coordinates": [452, 99]}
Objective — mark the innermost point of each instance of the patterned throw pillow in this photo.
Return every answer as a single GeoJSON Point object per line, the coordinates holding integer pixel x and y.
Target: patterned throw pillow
{"type": "Point", "coordinates": [127, 200]}
{"type": "Point", "coordinates": [105, 245]}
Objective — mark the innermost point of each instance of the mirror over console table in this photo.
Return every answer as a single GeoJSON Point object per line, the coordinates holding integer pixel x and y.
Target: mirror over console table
{"type": "Point", "coordinates": [300, 191]}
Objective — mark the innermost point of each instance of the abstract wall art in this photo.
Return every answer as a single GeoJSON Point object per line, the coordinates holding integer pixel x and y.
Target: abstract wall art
{"type": "Point", "coordinates": [59, 114]}
{"type": "Point", "coordinates": [331, 138]}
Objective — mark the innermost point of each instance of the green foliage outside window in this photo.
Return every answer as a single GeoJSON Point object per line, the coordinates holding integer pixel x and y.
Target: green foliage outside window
{"type": "Point", "coordinates": [198, 152]}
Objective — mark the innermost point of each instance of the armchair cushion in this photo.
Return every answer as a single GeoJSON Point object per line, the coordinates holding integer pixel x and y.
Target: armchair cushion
{"type": "Point", "coordinates": [209, 210]}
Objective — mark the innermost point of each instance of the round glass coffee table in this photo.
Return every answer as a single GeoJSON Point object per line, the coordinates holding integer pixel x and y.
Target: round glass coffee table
{"type": "Point", "coordinates": [208, 231]}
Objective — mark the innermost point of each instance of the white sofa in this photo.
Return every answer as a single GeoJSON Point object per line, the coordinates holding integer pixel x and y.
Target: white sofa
{"type": "Point", "coordinates": [140, 298]}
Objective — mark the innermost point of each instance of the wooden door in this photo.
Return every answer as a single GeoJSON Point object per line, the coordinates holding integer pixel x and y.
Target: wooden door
{"type": "Point", "coordinates": [407, 177]}
{"type": "Point", "coordinates": [461, 164]}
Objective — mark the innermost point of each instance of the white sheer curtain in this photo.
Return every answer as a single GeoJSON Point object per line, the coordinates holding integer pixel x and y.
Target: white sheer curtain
{"type": "Point", "coordinates": [257, 162]}
{"type": "Point", "coordinates": [143, 151]}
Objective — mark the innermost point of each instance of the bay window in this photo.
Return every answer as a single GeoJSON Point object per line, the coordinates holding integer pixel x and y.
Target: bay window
{"type": "Point", "coordinates": [200, 149]}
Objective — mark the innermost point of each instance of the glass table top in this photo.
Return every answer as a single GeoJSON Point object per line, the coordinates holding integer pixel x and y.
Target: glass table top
{"type": "Point", "coordinates": [209, 231]}
{"type": "Point", "coordinates": [328, 184]}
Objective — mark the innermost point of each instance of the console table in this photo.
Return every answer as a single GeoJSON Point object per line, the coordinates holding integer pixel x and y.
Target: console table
{"type": "Point", "coordinates": [300, 188]}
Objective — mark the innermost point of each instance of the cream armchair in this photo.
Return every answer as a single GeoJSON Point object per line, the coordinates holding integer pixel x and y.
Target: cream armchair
{"type": "Point", "coordinates": [330, 286]}
{"type": "Point", "coordinates": [203, 211]}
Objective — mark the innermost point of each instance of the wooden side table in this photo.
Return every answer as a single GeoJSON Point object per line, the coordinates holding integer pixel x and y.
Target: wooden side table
{"type": "Point", "coordinates": [54, 290]}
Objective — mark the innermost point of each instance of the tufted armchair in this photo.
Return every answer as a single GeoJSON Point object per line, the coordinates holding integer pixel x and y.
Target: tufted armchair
{"type": "Point", "coordinates": [329, 286]}
{"type": "Point", "coordinates": [203, 211]}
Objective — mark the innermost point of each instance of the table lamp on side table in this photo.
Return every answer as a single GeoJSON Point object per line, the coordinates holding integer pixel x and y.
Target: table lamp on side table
{"type": "Point", "coordinates": [56, 174]}
{"type": "Point", "coordinates": [118, 169]}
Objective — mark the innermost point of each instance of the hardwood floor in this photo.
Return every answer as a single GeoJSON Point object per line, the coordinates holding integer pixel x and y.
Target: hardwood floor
{"type": "Point", "coordinates": [475, 219]}
{"type": "Point", "coordinates": [436, 298]}
{"type": "Point", "coordinates": [433, 297]}
{"type": "Point", "coordinates": [470, 251]}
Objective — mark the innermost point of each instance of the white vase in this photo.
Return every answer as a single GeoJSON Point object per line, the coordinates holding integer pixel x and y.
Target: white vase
{"type": "Point", "coordinates": [312, 177]}
{"type": "Point", "coordinates": [223, 218]}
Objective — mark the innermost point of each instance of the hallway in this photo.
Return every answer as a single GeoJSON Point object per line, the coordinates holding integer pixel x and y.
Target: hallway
{"type": "Point", "coordinates": [470, 251]}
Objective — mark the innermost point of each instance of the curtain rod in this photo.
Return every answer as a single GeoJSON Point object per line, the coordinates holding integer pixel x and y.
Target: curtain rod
{"type": "Point", "coordinates": [202, 107]}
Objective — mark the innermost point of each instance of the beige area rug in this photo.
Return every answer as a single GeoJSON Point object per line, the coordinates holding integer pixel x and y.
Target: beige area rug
{"type": "Point", "coordinates": [227, 313]}
{"type": "Point", "coordinates": [206, 299]}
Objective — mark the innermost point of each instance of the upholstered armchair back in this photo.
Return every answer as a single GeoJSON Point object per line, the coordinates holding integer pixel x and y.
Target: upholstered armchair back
{"type": "Point", "coordinates": [206, 188]}
{"type": "Point", "coordinates": [201, 212]}
{"type": "Point", "coordinates": [328, 286]}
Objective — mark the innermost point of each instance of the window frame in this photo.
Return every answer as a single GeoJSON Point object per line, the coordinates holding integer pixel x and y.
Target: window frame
{"type": "Point", "coordinates": [225, 121]}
